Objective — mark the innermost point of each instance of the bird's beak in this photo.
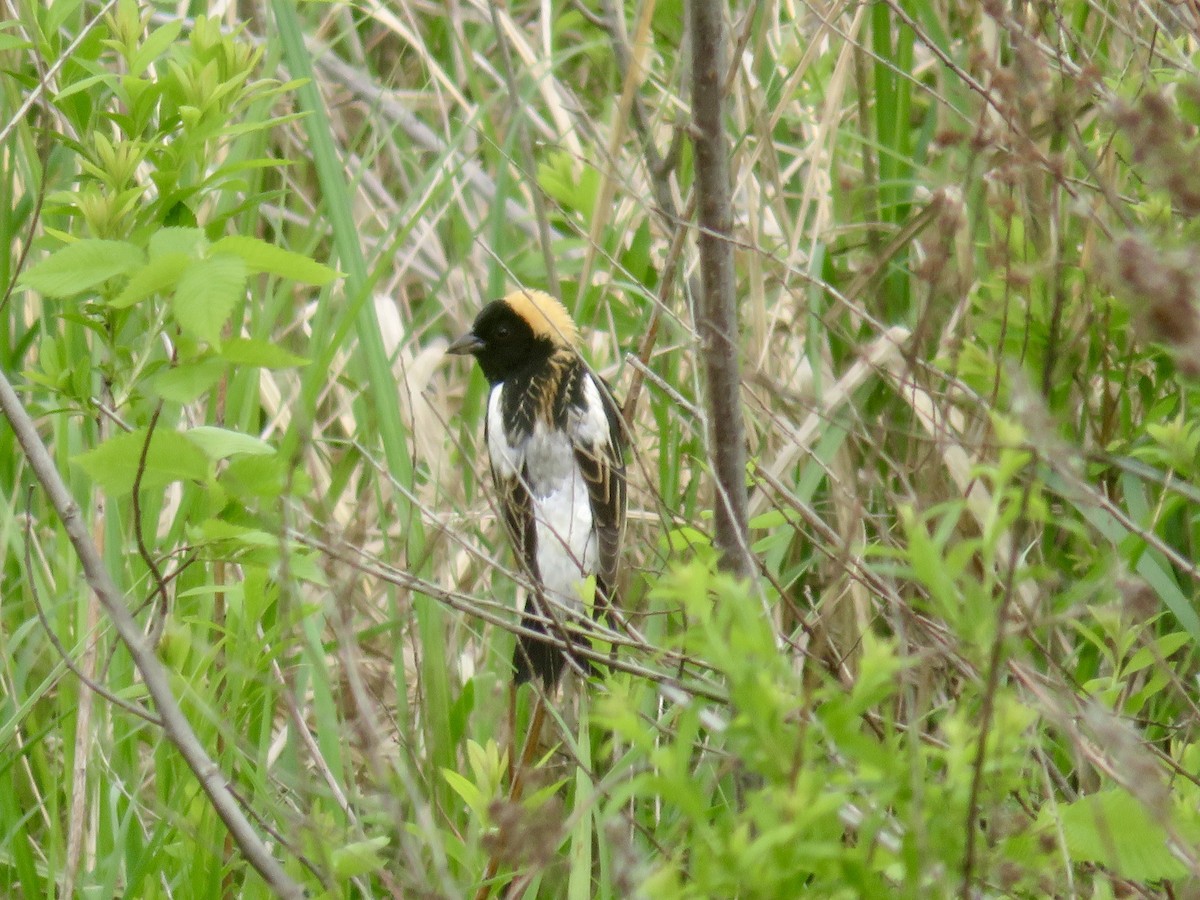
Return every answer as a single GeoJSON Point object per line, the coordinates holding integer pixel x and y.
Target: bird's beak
{"type": "Point", "coordinates": [468, 343]}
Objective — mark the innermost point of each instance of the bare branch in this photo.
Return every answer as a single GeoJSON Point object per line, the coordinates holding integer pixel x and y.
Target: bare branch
{"type": "Point", "coordinates": [716, 319]}
{"type": "Point", "coordinates": [175, 725]}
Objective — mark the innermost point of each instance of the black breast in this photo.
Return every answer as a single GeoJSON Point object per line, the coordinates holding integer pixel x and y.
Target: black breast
{"type": "Point", "coordinates": [545, 393]}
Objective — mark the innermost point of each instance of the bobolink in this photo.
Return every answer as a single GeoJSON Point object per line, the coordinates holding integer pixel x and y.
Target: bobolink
{"type": "Point", "coordinates": [556, 447]}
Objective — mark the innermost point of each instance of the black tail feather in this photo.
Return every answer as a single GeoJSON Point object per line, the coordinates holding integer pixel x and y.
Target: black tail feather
{"type": "Point", "coordinates": [544, 657]}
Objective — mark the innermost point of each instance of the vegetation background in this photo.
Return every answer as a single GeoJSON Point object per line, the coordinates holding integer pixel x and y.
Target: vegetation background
{"type": "Point", "coordinates": [235, 237]}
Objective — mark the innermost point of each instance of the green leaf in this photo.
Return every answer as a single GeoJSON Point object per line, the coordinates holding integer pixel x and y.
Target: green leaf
{"type": "Point", "coordinates": [155, 44]}
{"type": "Point", "coordinates": [359, 858]}
{"type": "Point", "coordinates": [216, 530]}
{"type": "Point", "coordinates": [575, 190]}
{"type": "Point", "coordinates": [460, 712]}
{"type": "Point", "coordinates": [537, 799]}
{"type": "Point", "coordinates": [772, 518]}
{"type": "Point", "coordinates": [13, 42]}
{"type": "Point", "coordinates": [253, 352]}
{"type": "Point", "coordinates": [928, 560]}
{"type": "Point", "coordinates": [84, 84]}
{"type": "Point", "coordinates": [221, 443]}
{"type": "Point", "coordinates": [191, 242]}
{"type": "Point", "coordinates": [1163, 648]}
{"type": "Point", "coordinates": [187, 381]}
{"type": "Point", "coordinates": [58, 13]}
{"type": "Point", "coordinates": [259, 256]}
{"type": "Point", "coordinates": [77, 267]}
{"type": "Point", "coordinates": [207, 294]}
{"type": "Point", "coordinates": [1114, 829]}
{"type": "Point", "coordinates": [263, 476]}
{"type": "Point", "coordinates": [636, 260]}
{"type": "Point", "coordinates": [471, 795]}
{"type": "Point", "coordinates": [159, 274]}
{"type": "Point", "coordinates": [171, 457]}
{"type": "Point", "coordinates": [686, 538]}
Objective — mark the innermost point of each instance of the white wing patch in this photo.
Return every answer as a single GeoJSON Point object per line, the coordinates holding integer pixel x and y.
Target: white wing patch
{"type": "Point", "coordinates": [506, 460]}
{"type": "Point", "coordinates": [589, 425]}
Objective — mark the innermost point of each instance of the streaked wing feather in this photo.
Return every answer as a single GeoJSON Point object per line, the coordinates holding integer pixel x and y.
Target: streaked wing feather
{"type": "Point", "coordinates": [516, 510]}
{"type": "Point", "coordinates": [602, 464]}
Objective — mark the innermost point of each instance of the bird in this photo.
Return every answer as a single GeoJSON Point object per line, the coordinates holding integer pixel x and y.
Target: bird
{"type": "Point", "coordinates": [556, 448]}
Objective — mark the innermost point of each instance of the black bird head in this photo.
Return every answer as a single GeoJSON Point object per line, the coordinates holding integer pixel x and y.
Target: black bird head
{"type": "Point", "coordinates": [524, 328]}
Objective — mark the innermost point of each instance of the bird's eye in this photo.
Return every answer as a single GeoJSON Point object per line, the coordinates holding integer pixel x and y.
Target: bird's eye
{"type": "Point", "coordinates": [503, 331]}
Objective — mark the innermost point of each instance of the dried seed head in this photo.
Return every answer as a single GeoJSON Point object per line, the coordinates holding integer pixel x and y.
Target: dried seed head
{"type": "Point", "coordinates": [1138, 600]}
{"type": "Point", "coordinates": [1160, 287]}
{"type": "Point", "coordinates": [1165, 145]}
{"type": "Point", "coordinates": [522, 836]}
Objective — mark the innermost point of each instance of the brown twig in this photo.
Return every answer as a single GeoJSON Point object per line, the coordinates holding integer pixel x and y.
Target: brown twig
{"type": "Point", "coordinates": [176, 727]}
{"type": "Point", "coordinates": [716, 318]}
{"type": "Point", "coordinates": [160, 583]}
{"type": "Point", "coordinates": [497, 615]}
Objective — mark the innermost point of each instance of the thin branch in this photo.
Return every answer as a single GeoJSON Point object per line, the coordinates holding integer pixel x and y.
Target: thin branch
{"type": "Point", "coordinates": [497, 614]}
{"type": "Point", "coordinates": [716, 319]}
{"type": "Point", "coordinates": [90, 683]}
{"type": "Point", "coordinates": [44, 82]}
{"type": "Point", "coordinates": [175, 724]}
{"type": "Point", "coordinates": [160, 585]}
